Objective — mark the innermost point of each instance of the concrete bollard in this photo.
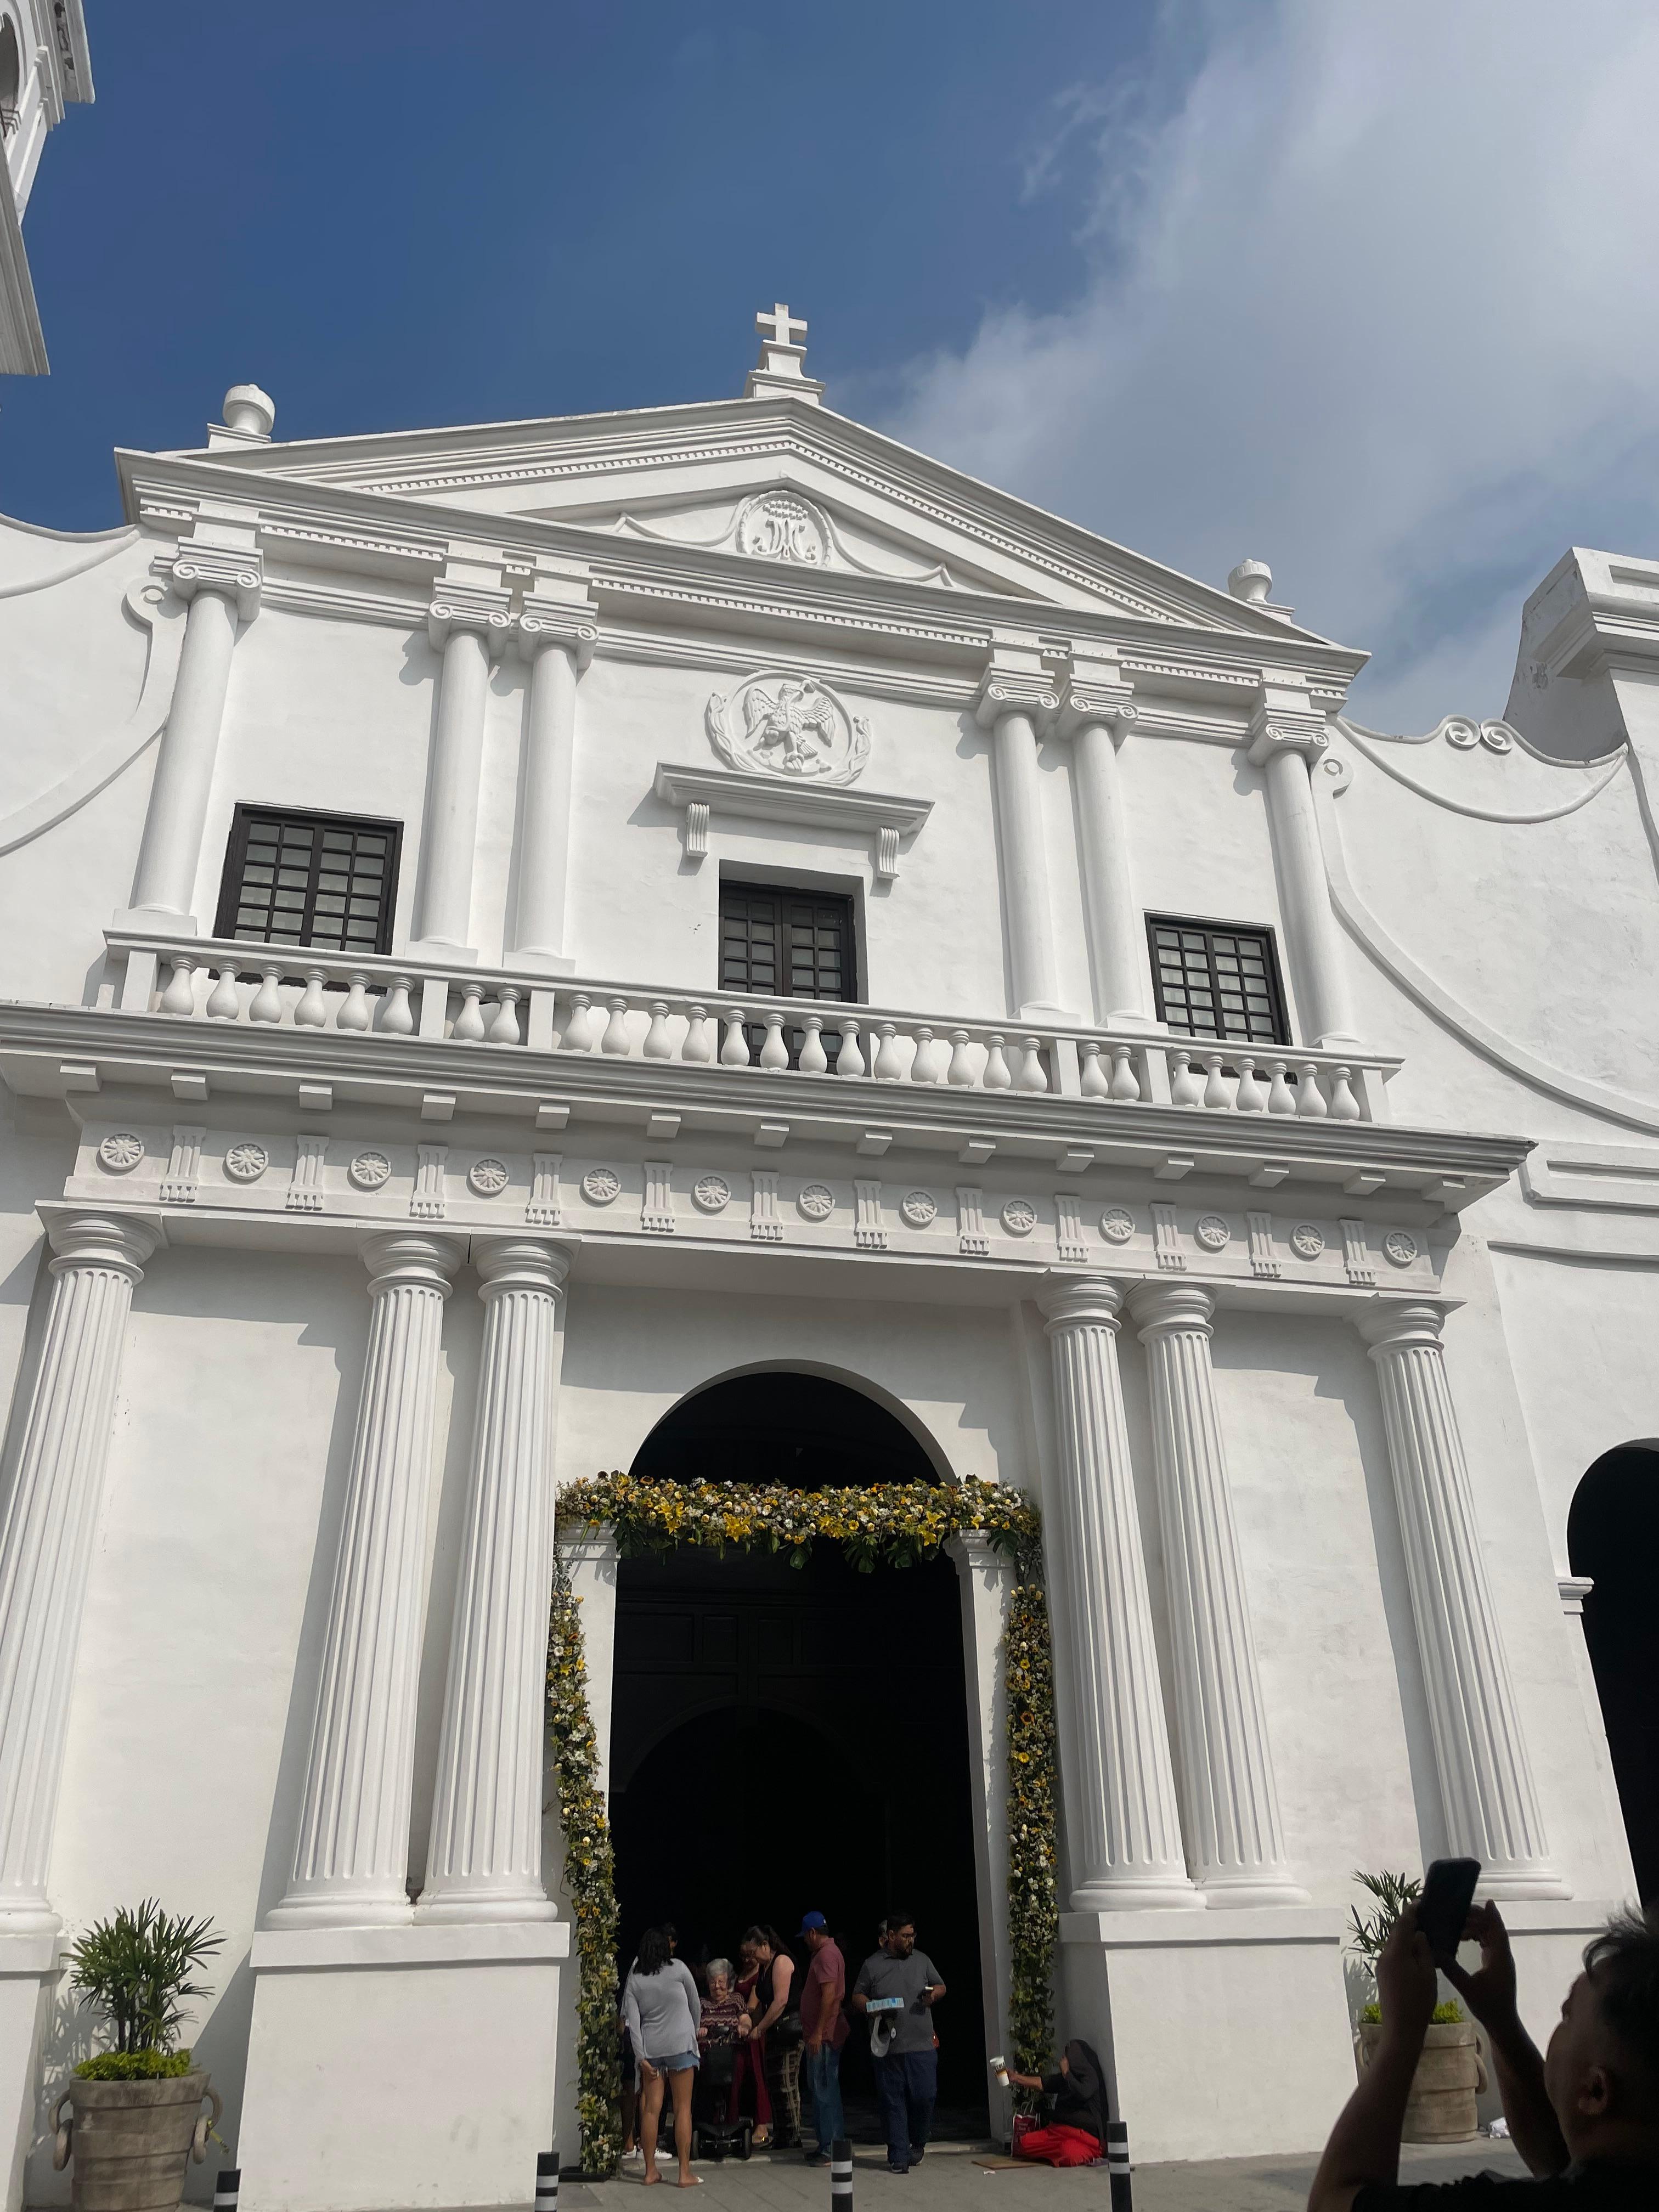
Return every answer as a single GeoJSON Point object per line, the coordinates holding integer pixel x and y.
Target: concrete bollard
{"type": "Point", "coordinates": [1117, 2164]}
{"type": "Point", "coordinates": [841, 2177]}
{"type": "Point", "coordinates": [227, 2188]}
{"type": "Point", "coordinates": [547, 2181]}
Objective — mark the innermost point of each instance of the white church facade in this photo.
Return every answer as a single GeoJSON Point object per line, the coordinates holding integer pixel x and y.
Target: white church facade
{"type": "Point", "coordinates": [505, 930]}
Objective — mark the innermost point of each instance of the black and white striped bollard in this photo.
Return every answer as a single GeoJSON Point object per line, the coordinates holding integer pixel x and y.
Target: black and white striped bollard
{"type": "Point", "coordinates": [547, 2181]}
{"type": "Point", "coordinates": [1117, 2164]}
{"type": "Point", "coordinates": [841, 2177]}
{"type": "Point", "coordinates": [227, 2189]}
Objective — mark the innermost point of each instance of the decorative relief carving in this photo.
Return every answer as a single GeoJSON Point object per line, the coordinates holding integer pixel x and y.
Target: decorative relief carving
{"type": "Point", "coordinates": [764, 1225]}
{"type": "Point", "coordinates": [184, 1168]}
{"type": "Point", "coordinates": [1212, 1232]}
{"type": "Point", "coordinates": [1307, 1240]}
{"type": "Point", "coordinates": [817, 1201]}
{"type": "Point", "coordinates": [656, 1213]}
{"type": "Point", "coordinates": [1399, 1247]}
{"type": "Point", "coordinates": [779, 725]}
{"type": "Point", "coordinates": [1264, 1260]}
{"type": "Point", "coordinates": [121, 1151]}
{"type": "Point", "coordinates": [246, 1162]}
{"type": "Point", "coordinates": [370, 1170]}
{"type": "Point", "coordinates": [712, 1193]}
{"type": "Point", "coordinates": [430, 1195]}
{"type": "Point", "coordinates": [305, 1191]}
{"type": "Point", "coordinates": [1166, 1241]}
{"type": "Point", "coordinates": [601, 1186]}
{"type": "Point", "coordinates": [1355, 1253]}
{"type": "Point", "coordinates": [869, 1230]}
{"type": "Point", "coordinates": [1019, 1217]}
{"type": "Point", "coordinates": [971, 1239]}
{"type": "Point", "coordinates": [1070, 1242]}
{"type": "Point", "coordinates": [919, 1208]}
{"type": "Point", "coordinates": [488, 1178]}
{"type": "Point", "coordinates": [1117, 1224]}
{"type": "Point", "coordinates": [781, 525]}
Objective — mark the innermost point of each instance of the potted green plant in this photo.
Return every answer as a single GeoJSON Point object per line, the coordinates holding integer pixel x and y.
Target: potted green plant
{"type": "Point", "coordinates": [131, 2117]}
{"type": "Point", "coordinates": [1451, 2073]}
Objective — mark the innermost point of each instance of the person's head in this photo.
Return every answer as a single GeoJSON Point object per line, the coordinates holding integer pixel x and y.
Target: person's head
{"type": "Point", "coordinates": [718, 1972]}
{"type": "Point", "coordinates": [1601, 2068]}
{"type": "Point", "coordinates": [901, 1937]}
{"type": "Point", "coordinates": [760, 1944]}
{"type": "Point", "coordinates": [815, 1931]}
{"type": "Point", "coordinates": [671, 1937]}
{"type": "Point", "coordinates": [656, 1951]}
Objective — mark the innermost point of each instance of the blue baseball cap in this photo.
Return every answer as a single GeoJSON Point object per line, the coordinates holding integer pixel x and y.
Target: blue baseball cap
{"type": "Point", "coordinates": [810, 1921]}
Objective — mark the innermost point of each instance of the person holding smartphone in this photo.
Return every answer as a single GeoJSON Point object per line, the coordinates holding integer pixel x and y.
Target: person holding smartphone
{"type": "Point", "coordinates": [907, 2067]}
{"type": "Point", "coordinates": [1584, 2115]}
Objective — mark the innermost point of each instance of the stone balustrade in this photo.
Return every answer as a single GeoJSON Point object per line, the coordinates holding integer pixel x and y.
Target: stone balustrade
{"type": "Point", "coordinates": [203, 980]}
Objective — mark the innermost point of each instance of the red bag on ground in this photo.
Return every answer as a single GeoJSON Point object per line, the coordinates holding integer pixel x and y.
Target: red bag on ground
{"type": "Point", "coordinates": [1055, 2146]}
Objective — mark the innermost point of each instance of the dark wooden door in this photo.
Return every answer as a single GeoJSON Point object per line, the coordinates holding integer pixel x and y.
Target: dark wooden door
{"type": "Point", "coordinates": [776, 943]}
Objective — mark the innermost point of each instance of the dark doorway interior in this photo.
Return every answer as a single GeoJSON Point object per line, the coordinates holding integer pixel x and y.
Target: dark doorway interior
{"type": "Point", "coordinates": [786, 1739]}
{"type": "Point", "coordinates": [1613, 1536]}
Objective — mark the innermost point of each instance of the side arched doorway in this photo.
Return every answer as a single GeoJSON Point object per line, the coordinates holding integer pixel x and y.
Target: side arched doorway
{"type": "Point", "coordinates": [1613, 1537]}
{"type": "Point", "coordinates": [793, 1739]}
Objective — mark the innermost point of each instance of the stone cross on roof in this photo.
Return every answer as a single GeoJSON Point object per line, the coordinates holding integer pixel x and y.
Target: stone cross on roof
{"type": "Point", "coordinates": [779, 368]}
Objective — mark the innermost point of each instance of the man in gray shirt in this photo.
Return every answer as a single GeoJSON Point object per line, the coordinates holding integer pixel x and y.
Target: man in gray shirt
{"type": "Point", "coordinates": [904, 1986]}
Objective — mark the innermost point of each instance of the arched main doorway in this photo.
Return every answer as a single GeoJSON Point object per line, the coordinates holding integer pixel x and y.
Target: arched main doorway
{"type": "Point", "coordinates": [1613, 1537]}
{"type": "Point", "coordinates": [795, 1739]}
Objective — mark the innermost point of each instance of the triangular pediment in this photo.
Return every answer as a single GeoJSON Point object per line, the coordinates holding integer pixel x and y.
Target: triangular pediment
{"type": "Point", "coordinates": [768, 480]}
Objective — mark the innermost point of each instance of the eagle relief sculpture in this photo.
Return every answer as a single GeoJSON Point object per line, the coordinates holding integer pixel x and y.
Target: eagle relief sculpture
{"type": "Point", "coordinates": [782, 724]}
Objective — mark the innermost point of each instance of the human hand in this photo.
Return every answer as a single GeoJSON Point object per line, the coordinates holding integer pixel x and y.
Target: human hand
{"type": "Point", "coordinates": [1489, 1991]}
{"type": "Point", "coordinates": [647, 2071]}
{"type": "Point", "coordinates": [1406, 1984]}
{"type": "Point", "coordinates": [927, 1993]}
{"type": "Point", "coordinates": [814, 2044]}
{"type": "Point", "coordinates": [746, 2025]}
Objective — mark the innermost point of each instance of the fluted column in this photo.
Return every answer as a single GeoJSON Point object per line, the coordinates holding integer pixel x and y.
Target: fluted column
{"type": "Point", "coordinates": [485, 1857]}
{"type": "Point", "coordinates": [1491, 1804]}
{"type": "Point", "coordinates": [1229, 1802]}
{"type": "Point", "coordinates": [1288, 743]}
{"type": "Point", "coordinates": [468, 627]}
{"type": "Point", "coordinates": [558, 643]}
{"type": "Point", "coordinates": [1096, 712]}
{"type": "Point", "coordinates": [59, 1448]}
{"type": "Point", "coordinates": [222, 586]}
{"type": "Point", "coordinates": [1122, 1829]}
{"type": "Point", "coordinates": [1015, 700]}
{"type": "Point", "coordinates": [351, 1861]}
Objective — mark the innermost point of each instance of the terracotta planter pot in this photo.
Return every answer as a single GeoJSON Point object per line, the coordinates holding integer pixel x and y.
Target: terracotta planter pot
{"type": "Point", "coordinates": [131, 2141]}
{"type": "Point", "coordinates": [1449, 2076]}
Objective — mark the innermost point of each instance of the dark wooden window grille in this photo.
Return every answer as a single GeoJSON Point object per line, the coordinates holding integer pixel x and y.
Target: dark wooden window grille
{"type": "Point", "coordinates": [295, 878]}
{"type": "Point", "coordinates": [780, 944]}
{"type": "Point", "coordinates": [1214, 980]}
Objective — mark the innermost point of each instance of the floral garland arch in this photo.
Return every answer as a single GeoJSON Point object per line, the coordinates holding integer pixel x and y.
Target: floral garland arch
{"type": "Point", "coordinates": [892, 1524]}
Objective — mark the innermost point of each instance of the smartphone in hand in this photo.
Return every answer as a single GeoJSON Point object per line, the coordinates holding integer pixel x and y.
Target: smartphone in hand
{"type": "Point", "coordinates": [1443, 1907]}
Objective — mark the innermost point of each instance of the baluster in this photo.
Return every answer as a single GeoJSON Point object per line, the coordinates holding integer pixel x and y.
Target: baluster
{"type": "Point", "coordinates": [1250, 1097]}
{"type": "Point", "coordinates": [1185, 1088]}
{"type": "Point", "coordinates": [923, 1067]}
{"type": "Point", "coordinates": [1126, 1081]}
{"type": "Point", "coordinates": [267, 1002]}
{"type": "Point", "coordinates": [812, 1059]}
{"type": "Point", "coordinates": [1281, 1099]}
{"type": "Point", "coordinates": [1031, 1077]}
{"type": "Point", "coordinates": [1216, 1093]}
{"type": "Point", "coordinates": [578, 1029]}
{"type": "Point", "coordinates": [224, 1004]}
{"type": "Point", "coordinates": [504, 1025]}
{"type": "Point", "coordinates": [849, 1060]}
{"type": "Point", "coordinates": [996, 1076]}
{"type": "Point", "coordinates": [615, 1039]}
{"type": "Point", "coordinates": [1092, 1082]}
{"type": "Point", "coordinates": [1309, 1098]}
{"type": "Point", "coordinates": [698, 1045]}
{"type": "Point", "coordinates": [354, 1011]}
{"type": "Point", "coordinates": [734, 1052]}
{"type": "Point", "coordinates": [774, 1053]}
{"type": "Point", "coordinates": [657, 1046]}
{"type": "Point", "coordinates": [396, 1019]}
{"type": "Point", "coordinates": [1345, 1107]}
{"type": "Point", "coordinates": [469, 1022]}
{"type": "Point", "coordinates": [889, 1060]}
{"type": "Point", "coordinates": [312, 1013]}
{"type": "Point", "coordinates": [961, 1069]}
{"type": "Point", "coordinates": [180, 996]}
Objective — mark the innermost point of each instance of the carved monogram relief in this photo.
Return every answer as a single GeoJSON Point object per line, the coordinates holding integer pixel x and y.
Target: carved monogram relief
{"type": "Point", "coordinates": [781, 526]}
{"type": "Point", "coordinates": [776, 725]}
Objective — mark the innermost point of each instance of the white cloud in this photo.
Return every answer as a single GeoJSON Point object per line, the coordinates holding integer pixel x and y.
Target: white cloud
{"type": "Point", "coordinates": [1372, 295]}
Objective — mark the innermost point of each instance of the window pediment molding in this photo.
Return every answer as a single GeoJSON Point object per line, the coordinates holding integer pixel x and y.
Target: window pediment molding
{"type": "Point", "coordinates": [701, 794]}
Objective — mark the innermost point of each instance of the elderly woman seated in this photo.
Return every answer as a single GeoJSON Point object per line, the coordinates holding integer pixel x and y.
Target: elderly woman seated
{"type": "Point", "coordinates": [724, 2018]}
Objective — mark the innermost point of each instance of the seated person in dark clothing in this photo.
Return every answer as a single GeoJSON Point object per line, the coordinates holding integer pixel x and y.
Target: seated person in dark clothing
{"type": "Point", "coordinates": [724, 2020]}
{"type": "Point", "coordinates": [1585, 2117]}
{"type": "Point", "coordinates": [1076, 2134]}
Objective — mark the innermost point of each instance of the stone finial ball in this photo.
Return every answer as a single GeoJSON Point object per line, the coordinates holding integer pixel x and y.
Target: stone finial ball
{"type": "Point", "coordinates": [247, 407]}
{"type": "Point", "coordinates": [1250, 582]}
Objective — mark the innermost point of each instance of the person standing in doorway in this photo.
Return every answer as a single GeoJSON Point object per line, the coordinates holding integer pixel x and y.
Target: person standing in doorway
{"type": "Point", "coordinates": [662, 2007]}
{"type": "Point", "coordinates": [824, 2027]}
{"type": "Point", "coordinates": [904, 1986]}
{"type": "Point", "coordinates": [777, 2032]}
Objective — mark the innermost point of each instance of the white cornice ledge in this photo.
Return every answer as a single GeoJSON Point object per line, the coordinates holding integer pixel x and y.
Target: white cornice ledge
{"type": "Point", "coordinates": [700, 793]}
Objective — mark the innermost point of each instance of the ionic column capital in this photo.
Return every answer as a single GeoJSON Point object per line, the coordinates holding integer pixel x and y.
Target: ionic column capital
{"type": "Point", "coordinates": [101, 1240]}
{"type": "Point", "coordinates": [479, 608]}
{"type": "Point", "coordinates": [521, 1263]}
{"type": "Point", "coordinates": [1094, 694]}
{"type": "Point", "coordinates": [544, 622]}
{"type": "Point", "coordinates": [410, 1259]}
{"type": "Point", "coordinates": [1081, 1302]}
{"type": "Point", "coordinates": [1286, 721]}
{"type": "Point", "coordinates": [1012, 691]}
{"type": "Point", "coordinates": [235, 572]}
{"type": "Point", "coordinates": [1401, 1325]}
{"type": "Point", "coordinates": [1159, 1308]}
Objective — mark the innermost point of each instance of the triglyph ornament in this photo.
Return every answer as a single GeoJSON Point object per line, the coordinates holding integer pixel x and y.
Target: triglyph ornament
{"type": "Point", "coordinates": [1212, 1232]}
{"type": "Point", "coordinates": [121, 1151]}
{"type": "Point", "coordinates": [779, 725]}
{"type": "Point", "coordinates": [1307, 1240]}
{"type": "Point", "coordinates": [1117, 1224]}
{"type": "Point", "coordinates": [246, 1162]}
{"type": "Point", "coordinates": [712, 1192]}
{"type": "Point", "coordinates": [1400, 1246]}
{"type": "Point", "coordinates": [369, 1171]}
{"type": "Point", "coordinates": [817, 1201]}
{"type": "Point", "coordinates": [919, 1207]}
{"type": "Point", "coordinates": [1019, 1217]}
{"type": "Point", "coordinates": [488, 1178]}
{"type": "Point", "coordinates": [601, 1185]}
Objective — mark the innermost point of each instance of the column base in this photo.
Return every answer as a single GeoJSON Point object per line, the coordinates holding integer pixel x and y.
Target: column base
{"type": "Point", "coordinates": [466, 1908]}
{"type": "Point", "coordinates": [158, 921]}
{"type": "Point", "coordinates": [1250, 1896]}
{"type": "Point", "coordinates": [400, 2067]}
{"type": "Point", "coordinates": [1502, 1883]}
{"type": "Point", "coordinates": [297, 1912]}
{"type": "Point", "coordinates": [447, 956]}
{"type": "Point", "coordinates": [1225, 2034]}
{"type": "Point", "coordinates": [540, 960]}
{"type": "Point", "coordinates": [28, 1967]}
{"type": "Point", "coordinates": [1137, 1897]}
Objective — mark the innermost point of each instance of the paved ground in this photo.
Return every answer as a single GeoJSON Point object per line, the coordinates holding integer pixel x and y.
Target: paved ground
{"type": "Point", "coordinates": [949, 2177]}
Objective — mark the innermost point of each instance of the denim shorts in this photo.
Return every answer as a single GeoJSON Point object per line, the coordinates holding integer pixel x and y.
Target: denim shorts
{"type": "Point", "coordinates": [678, 2064]}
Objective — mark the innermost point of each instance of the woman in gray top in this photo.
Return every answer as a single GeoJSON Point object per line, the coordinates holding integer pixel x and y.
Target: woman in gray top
{"type": "Point", "coordinates": [662, 2009]}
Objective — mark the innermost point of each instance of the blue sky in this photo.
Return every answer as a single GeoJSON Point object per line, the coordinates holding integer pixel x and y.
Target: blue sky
{"type": "Point", "coordinates": [1368, 293]}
